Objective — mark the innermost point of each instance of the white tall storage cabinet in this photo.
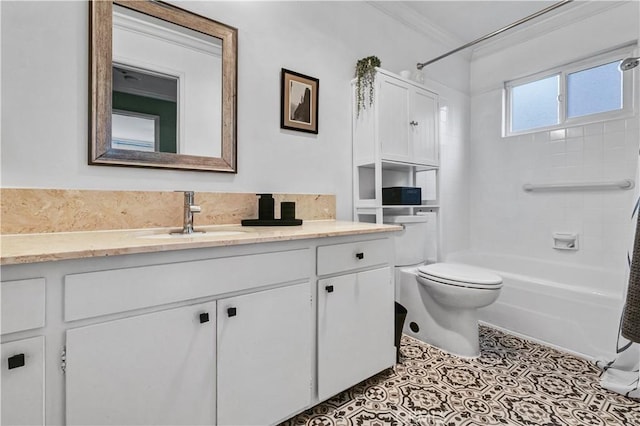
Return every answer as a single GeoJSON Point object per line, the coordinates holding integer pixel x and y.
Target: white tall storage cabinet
{"type": "Point", "coordinates": [395, 141]}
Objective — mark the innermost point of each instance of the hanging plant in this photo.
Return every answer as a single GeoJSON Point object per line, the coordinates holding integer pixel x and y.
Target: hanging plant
{"type": "Point", "coordinates": [365, 76]}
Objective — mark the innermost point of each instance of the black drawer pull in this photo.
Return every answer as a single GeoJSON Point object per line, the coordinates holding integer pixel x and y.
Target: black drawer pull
{"type": "Point", "coordinates": [16, 361]}
{"type": "Point", "coordinates": [204, 317]}
{"type": "Point", "coordinates": [329, 289]}
{"type": "Point", "coordinates": [360, 256]}
{"type": "Point", "coordinates": [231, 312]}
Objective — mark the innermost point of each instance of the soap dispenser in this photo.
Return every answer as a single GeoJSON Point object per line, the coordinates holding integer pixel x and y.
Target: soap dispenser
{"type": "Point", "coordinates": [266, 206]}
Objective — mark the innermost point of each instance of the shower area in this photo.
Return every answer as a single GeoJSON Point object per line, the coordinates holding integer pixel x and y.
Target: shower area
{"type": "Point", "coordinates": [551, 206]}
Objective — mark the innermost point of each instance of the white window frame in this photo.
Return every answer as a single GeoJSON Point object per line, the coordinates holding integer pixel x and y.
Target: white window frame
{"type": "Point", "coordinates": [563, 71]}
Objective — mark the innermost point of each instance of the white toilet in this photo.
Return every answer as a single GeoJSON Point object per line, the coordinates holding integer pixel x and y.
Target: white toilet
{"type": "Point", "coordinates": [442, 299]}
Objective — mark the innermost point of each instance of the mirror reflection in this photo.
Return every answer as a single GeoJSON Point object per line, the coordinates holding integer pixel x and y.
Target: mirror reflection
{"type": "Point", "coordinates": [167, 79]}
{"type": "Point", "coordinates": [144, 111]}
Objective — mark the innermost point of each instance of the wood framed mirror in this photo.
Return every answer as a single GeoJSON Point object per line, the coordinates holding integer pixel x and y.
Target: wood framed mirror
{"type": "Point", "coordinates": [163, 85]}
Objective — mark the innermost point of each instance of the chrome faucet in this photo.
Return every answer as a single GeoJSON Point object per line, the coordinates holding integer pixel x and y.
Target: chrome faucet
{"type": "Point", "coordinates": [189, 209]}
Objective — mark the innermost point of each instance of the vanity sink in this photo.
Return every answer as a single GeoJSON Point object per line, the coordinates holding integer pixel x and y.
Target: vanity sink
{"type": "Point", "coordinates": [199, 234]}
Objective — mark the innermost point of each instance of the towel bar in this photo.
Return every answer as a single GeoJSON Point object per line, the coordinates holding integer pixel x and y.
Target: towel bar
{"type": "Point", "coordinates": [620, 184]}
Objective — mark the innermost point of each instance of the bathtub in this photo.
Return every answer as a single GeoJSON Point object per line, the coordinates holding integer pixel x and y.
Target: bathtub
{"type": "Point", "coordinates": [574, 308]}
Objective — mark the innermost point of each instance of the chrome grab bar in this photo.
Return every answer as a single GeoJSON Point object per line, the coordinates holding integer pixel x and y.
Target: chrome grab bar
{"type": "Point", "coordinates": [620, 184]}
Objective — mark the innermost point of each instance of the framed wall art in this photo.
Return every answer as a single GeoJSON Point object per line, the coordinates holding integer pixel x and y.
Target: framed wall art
{"type": "Point", "coordinates": [299, 102]}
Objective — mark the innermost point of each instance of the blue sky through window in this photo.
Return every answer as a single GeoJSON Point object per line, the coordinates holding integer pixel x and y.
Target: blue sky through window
{"type": "Point", "coordinates": [535, 104]}
{"type": "Point", "coordinates": [594, 90]}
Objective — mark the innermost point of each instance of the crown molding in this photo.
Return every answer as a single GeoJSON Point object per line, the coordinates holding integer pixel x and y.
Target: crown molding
{"type": "Point", "coordinates": [572, 13]}
{"type": "Point", "coordinates": [408, 17]}
{"type": "Point", "coordinates": [185, 40]}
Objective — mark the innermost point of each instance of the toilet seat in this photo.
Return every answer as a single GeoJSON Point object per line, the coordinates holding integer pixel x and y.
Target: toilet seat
{"type": "Point", "coordinates": [459, 275]}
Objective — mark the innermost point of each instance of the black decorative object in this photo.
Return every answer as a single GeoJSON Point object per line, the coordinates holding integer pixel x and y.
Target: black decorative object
{"type": "Point", "coordinates": [271, 222]}
{"type": "Point", "coordinates": [402, 195]}
{"type": "Point", "coordinates": [266, 207]}
{"type": "Point", "coordinates": [266, 213]}
{"type": "Point", "coordinates": [287, 210]}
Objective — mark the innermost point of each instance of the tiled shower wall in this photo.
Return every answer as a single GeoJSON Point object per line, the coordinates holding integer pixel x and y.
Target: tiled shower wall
{"type": "Point", "coordinates": [505, 219]}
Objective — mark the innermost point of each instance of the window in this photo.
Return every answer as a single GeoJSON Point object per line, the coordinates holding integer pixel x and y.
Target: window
{"type": "Point", "coordinates": [586, 91]}
{"type": "Point", "coordinates": [594, 90]}
{"type": "Point", "coordinates": [535, 104]}
{"type": "Point", "coordinates": [134, 131]}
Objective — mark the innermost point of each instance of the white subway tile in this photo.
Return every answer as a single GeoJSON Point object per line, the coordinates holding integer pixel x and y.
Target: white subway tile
{"type": "Point", "coordinates": [559, 160]}
{"type": "Point", "coordinates": [614, 156]}
{"type": "Point", "coordinates": [557, 134]}
{"type": "Point", "coordinates": [574, 144]}
{"type": "Point", "coordinates": [633, 123]}
{"type": "Point", "coordinates": [575, 132]}
{"type": "Point", "coordinates": [614, 140]}
{"type": "Point", "coordinates": [593, 143]}
{"type": "Point", "coordinates": [593, 129]}
{"type": "Point", "coordinates": [574, 158]}
{"type": "Point", "coordinates": [540, 137]}
{"type": "Point", "coordinates": [557, 147]}
{"type": "Point", "coordinates": [613, 126]}
{"type": "Point", "coordinates": [593, 169]}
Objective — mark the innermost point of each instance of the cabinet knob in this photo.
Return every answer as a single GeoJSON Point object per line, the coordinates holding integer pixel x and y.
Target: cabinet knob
{"type": "Point", "coordinates": [329, 289]}
{"type": "Point", "coordinates": [204, 317]}
{"type": "Point", "coordinates": [360, 256]}
{"type": "Point", "coordinates": [16, 361]}
{"type": "Point", "coordinates": [231, 312]}
{"type": "Point", "coordinates": [413, 123]}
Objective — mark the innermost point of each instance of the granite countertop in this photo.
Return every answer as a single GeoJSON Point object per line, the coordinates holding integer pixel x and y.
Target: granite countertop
{"type": "Point", "coordinates": [46, 247]}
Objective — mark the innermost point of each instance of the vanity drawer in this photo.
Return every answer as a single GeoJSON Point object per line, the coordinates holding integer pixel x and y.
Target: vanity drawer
{"type": "Point", "coordinates": [107, 292]}
{"type": "Point", "coordinates": [23, 305]}
{"type": "Point", "coordinates": [350, 256]}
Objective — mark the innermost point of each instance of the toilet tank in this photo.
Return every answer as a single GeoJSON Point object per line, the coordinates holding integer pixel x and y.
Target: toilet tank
{"type": "Point", "coordinates": [411, 242]}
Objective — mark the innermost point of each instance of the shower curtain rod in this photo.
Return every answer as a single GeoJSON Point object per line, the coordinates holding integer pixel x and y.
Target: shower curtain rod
{"type": "Point", "coordinates": [421, 65]}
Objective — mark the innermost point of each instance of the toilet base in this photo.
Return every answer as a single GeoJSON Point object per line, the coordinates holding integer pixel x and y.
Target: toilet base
{"type": "Point", "coordinates": [454, 331]}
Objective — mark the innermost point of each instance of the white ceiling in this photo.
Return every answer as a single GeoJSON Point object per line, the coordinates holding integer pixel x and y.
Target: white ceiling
{"type": "Point", "coordinates": [469, 20]}
{"type": "Point", "coordinates": [454, 23]}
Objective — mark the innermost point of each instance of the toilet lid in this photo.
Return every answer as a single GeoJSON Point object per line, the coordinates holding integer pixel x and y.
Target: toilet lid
{"type": "Point", "coordinates": [461, 275]}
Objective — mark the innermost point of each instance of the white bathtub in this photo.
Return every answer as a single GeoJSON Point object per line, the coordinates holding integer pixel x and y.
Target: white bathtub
{"type": "Point", "coordinates": [574, 308]}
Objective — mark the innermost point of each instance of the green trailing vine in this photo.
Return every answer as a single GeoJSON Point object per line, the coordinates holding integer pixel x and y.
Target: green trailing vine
{"type": "Point", "coordinates": [365, 76]}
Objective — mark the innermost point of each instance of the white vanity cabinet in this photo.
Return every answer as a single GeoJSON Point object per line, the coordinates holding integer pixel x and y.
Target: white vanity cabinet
{"type": "Point", "coordinates": [233, 335]}
{"type": "Point", "coordinates": [151, 369]}
{"type": "Point", "coordinates": [23, 382]}
{"type": "Point", "coordinates": [264, 355]}
{"type": "Point", "coordinates": [23, 359]}
{"type": "Point", "coordinates": [355, 314]}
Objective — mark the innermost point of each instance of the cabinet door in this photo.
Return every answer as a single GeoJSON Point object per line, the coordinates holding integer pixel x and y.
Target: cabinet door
{"type": "Point", "coordinates": [355, 329]}
{"type": "Point", "coordinates": [150, 369]}
{"type": "Point", "coordinates": [23, 382]}
{"type": "Point", "coordinates": [393, 119]}
{"type": "Point", "coordinates": [264, 356]}
{"type": "Point", "coordinates": [424, 136]}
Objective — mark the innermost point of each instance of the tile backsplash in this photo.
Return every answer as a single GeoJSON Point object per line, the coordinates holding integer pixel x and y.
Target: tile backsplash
{"type": "Point", "coordinates": [64, 210]}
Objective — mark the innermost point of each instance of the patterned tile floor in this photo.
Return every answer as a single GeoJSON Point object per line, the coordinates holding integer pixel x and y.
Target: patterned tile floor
{"type": "Point", "coordinates": [513, 382]}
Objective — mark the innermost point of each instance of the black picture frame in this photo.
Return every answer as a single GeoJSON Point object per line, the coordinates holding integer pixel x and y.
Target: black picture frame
{"type": "Point", "coordinates": [299, 102]}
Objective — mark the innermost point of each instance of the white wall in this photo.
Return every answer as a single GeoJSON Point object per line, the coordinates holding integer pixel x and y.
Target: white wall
{"type": "Point", "coordinates": [44, 96]}
{"type": "Point", "coordinates": [505, 219]}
